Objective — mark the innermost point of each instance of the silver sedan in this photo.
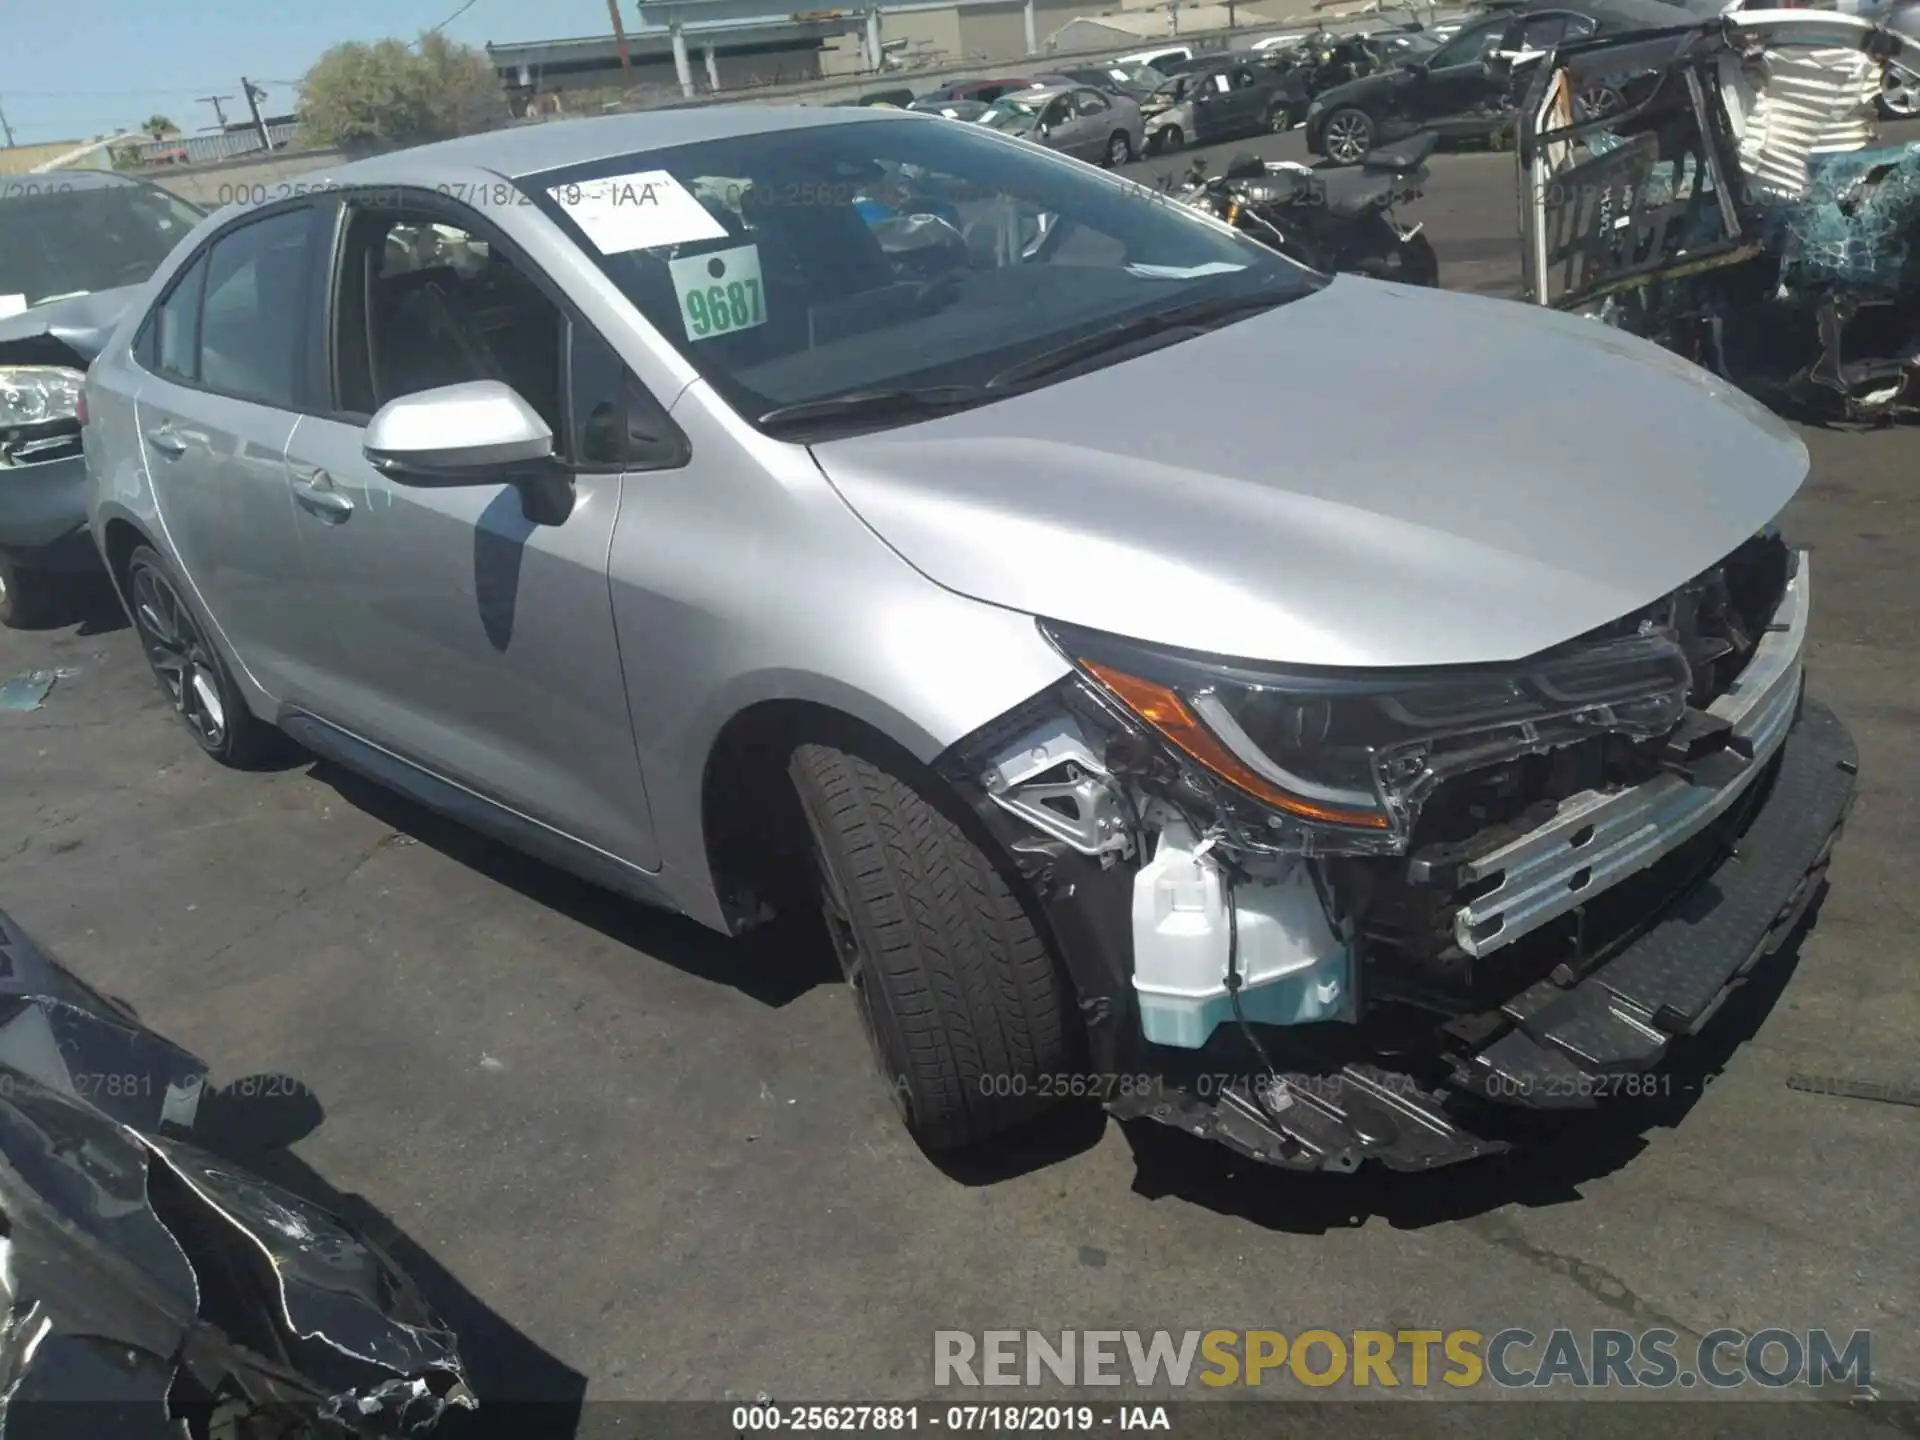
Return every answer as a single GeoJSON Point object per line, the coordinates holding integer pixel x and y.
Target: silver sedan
{"type": "Point", "coordinates": [1112, 628]}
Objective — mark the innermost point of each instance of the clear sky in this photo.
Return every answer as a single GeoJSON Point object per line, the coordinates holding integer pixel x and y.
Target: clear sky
{"type": "Point", "coordinates": [71, 71]}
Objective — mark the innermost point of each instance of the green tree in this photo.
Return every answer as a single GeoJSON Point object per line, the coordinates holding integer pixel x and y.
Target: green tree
{"type": "Point", "coordinates": [392, 93]}
{"type": "Point", "coordinates": [159, 127]}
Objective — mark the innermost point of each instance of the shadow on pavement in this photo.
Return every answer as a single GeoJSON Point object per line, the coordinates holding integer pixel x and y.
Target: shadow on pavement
{"type": "Point", "coordinates": [775, 964]}
{"type": "Point", "coordinates": [1553, 1155]}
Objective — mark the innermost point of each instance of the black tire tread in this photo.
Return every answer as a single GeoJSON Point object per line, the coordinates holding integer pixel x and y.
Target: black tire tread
{"type": "Point", "coordinates": [967, 979]}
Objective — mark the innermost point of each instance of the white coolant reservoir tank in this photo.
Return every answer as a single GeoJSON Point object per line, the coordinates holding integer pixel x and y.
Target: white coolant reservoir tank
{"type": "Point", "coordinates": [1293, 968]}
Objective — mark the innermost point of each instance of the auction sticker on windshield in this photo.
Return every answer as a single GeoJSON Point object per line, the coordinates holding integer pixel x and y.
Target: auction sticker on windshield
{"type": "Point", "coordinates": [719, 291]}
{"type": "Point", "coordinates": [636, 212]}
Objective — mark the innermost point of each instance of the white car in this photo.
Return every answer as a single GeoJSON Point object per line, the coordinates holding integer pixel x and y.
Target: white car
{"type": "Point", "coordinates": [1154, 57]}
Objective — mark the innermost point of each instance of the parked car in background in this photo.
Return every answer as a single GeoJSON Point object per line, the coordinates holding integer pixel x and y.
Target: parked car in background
{"type": "Point", "coordinates": [75, 248]}
{"type": "Point", "coordinates": [1156, 58]}
{"type": "Point", "coordinates": [1136, 82]}
{"type": "Point", "coordinates": [984, 90]}
{"type": "Point", "coordinates": [963, 110]}
{"type": "Point", "coordinates": [1133, 643]}
{"type": "Point", "coordinates": [1075, 120]}
{"type": "Point", "coordinates": [1457, 90]}
{"type": "Point", "coordinates": [1218, 98]}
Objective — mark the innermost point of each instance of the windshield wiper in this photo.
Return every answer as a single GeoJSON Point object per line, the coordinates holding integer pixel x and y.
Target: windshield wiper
{"type": "Point", "coordinates": [1199, 316]}
{"type": "Point", "coordinates": [880, 404]}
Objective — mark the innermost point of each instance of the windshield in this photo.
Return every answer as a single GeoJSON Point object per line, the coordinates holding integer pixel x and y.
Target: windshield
{"type": "Point", "coordinates": [64, 237]}
{"type": "Point", "coordinates": [791, 266]}
{"type": "Point", "coordinates": [1008, 113]}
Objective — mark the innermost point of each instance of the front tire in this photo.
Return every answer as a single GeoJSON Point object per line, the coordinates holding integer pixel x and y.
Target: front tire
{"type": "Point", "coordinates": [1169, 139]}
{"type": "Point", "coordinates": [31, 599]}
{"type": "Point", "coordinates": [962, 1004]}
{"type": "Point", "coordinates": [189, 670]}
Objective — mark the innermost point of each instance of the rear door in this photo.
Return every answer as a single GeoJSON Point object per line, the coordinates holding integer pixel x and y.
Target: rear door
{"type": "Point", "coordinates": [230, 361]}
{"type": "Point", "coordinates": [1249, 98]}
{"type": "Point", "coordinates": [1094, 121]}
{"type": "Point", "coordinates": [472, 642]}
{"type": "Point", "coordinates": [1212, 91]}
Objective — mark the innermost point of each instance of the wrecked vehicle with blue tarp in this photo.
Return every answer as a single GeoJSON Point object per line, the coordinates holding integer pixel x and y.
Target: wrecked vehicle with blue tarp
{"type": "Point", "coordinates": [1736, 209]}
{"type": "Point", "coordinates": [154, 1286]}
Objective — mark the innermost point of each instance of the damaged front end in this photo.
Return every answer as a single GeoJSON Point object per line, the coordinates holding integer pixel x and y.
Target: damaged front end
{"type": "Point", "coordinates": [154, 1288]}
{"type": "Point", "coordinates": [1729, 207]}
{"type": "Point", "coordinates": [1327, 917]}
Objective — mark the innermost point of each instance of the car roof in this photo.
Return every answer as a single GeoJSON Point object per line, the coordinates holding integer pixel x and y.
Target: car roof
{"type": "Point", "coordinates": [530, 149]}
{"type": "Point", "coordinates": [1043, 92]}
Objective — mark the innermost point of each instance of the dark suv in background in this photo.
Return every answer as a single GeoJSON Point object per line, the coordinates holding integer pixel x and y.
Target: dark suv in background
{"type": "Point", "coordinates": [75, 247]}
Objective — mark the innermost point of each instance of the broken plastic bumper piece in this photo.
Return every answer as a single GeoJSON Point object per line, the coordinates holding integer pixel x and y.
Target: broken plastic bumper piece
{"type": "Point", "coordinates": [1562, 1043]}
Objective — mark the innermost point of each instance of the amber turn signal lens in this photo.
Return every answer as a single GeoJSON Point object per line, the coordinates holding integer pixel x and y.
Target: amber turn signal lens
{"type": "Point", "coordinates": [1167, 713]}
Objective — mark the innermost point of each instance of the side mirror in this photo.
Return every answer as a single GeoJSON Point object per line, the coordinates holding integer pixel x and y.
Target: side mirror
{"type": "Point", "coordinates": [1416, 68]}
{"type": "Point", "coordinates": [477, 433]}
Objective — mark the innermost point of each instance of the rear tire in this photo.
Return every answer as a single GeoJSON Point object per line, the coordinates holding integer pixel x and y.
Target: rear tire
{"type": "Point", "coordinates": [190, 671]}
{"type": "Point", "coordinates": [1119, 150]}
{"type": "Point", "coordinates": [31, 599]}
{"type": "Point", "coordinates": [962, 1004]}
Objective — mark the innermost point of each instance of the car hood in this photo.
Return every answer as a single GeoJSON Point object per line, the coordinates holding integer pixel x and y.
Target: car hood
{"type": "Point", "coordinates": [81, 325]}
{"type": "Point", "coordinates": [1373, 475]}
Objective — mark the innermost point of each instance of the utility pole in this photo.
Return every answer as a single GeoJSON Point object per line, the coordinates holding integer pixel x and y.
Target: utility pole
{"type": "Point", "coordinates": [254, 96]}
{"type": "Point", "coordinates": [619, 34]}
{"type": "Point", "coordinates": [219, 115]}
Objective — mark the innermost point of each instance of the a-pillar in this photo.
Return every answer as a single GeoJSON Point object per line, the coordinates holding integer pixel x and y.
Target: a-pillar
{"type": "Point", "coordinates": [713, 71]}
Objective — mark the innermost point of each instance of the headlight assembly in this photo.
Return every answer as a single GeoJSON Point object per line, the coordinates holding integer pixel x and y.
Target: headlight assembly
{"type": "Point", "coordinates": [1351, 755]}
{"type": "Point", "coordinates": [38, 394]}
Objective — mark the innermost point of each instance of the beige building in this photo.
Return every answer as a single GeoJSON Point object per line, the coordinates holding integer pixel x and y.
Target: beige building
{"type": "Point", "coordinates": [20, 159]}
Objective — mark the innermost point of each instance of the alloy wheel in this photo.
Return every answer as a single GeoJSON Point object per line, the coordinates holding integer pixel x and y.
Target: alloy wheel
{"type": "Point", "coordinates": [1600, 101]}
{"type": "Point", "coordinates": [1119, 151]}
{"type": "Point", "coordinates": [1347, 137]}
{"type": "Point", "coordinates": [187, 668]}
{"type": "Point", "coordinates": [1900, 93]}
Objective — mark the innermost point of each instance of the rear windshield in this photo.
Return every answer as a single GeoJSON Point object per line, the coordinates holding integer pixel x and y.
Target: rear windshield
{"type": "Point", "coordinates": [61, 237]}
{"type": "Point", "coordinates": [800, 264]}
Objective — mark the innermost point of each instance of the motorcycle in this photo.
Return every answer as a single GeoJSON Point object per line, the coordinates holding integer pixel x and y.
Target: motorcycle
{"type": "Point", "coordinates": [1335, 221]}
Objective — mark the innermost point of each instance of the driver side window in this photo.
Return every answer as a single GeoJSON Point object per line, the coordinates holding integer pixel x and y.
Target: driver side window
{"type": "Point", "coordinates": [1470, 47]}
{"type": "Point", "coordinates": [426, 303]}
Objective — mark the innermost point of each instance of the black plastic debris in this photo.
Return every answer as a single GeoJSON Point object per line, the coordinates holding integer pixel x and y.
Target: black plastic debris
{"type": "Point", "coordinates": [155, 1288]}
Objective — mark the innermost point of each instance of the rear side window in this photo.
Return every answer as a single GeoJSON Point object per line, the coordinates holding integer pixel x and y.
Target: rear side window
{"type": "Point", "coordinates": [253, 319]}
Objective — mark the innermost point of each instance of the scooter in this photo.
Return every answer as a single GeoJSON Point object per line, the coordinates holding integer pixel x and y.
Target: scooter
{"type": "Point", "coordinates": [1336, 221]}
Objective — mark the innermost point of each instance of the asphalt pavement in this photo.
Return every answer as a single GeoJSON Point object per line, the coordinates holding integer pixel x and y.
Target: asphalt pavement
{"type": "Point", "coordinates": [634, 1160]}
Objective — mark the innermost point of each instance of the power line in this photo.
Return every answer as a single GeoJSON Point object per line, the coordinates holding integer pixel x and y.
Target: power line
{"type": "Point", "coordinates": [435, 30]}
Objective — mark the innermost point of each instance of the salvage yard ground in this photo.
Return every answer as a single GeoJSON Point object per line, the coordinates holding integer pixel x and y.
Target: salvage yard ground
{"type": "Point", "coordinates": [632, 1160]}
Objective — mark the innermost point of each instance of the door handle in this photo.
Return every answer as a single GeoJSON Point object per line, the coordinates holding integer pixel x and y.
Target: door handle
{"type": "Point", "coordinates": [315, 492]}
{"type": "Point", "coordinates": [163, 439]}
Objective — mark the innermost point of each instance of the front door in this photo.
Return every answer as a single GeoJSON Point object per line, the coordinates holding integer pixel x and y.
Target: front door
{"type": "Point", "coordinates": [1453, 93]}
{"type": "Point", "coordinates": [227, 355]}
{"type": "Point", "coordinates": [471, 641]}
